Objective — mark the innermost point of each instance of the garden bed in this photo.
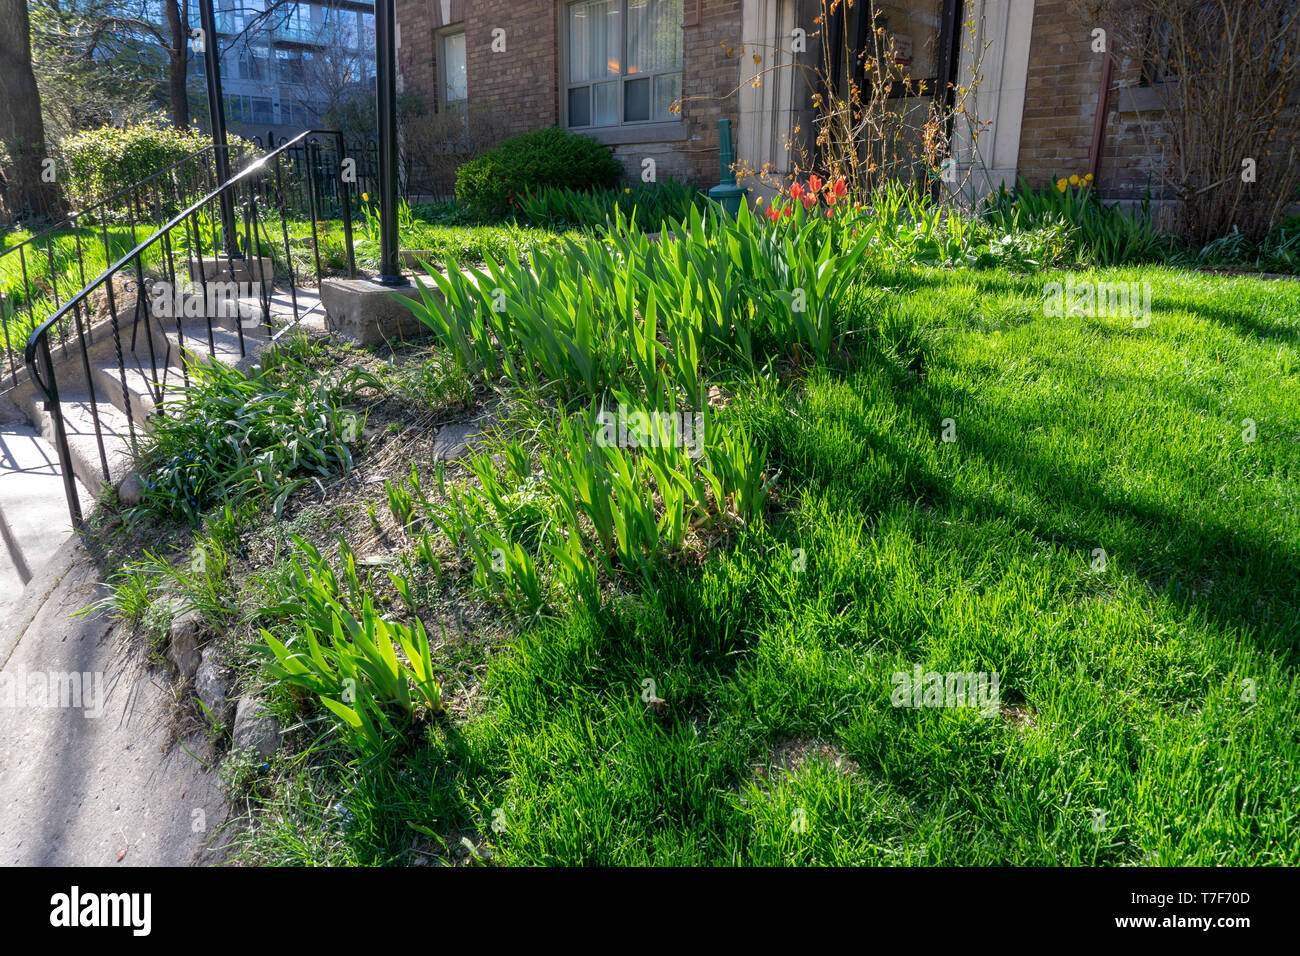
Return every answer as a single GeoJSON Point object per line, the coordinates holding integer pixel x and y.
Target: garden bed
{"type": "Point", "coordinates": [1097, 512]}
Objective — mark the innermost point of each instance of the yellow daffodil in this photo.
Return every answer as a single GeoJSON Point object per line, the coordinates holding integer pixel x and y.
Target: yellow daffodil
{"type": "Point", "coordinates": [365, 197]}
{"type": "Point", "coordinates": [1088, 178]}
{"type": "Point", "coordinates": [1060, 185]}
{"type": "Point", "coordinates": [1074, 180]}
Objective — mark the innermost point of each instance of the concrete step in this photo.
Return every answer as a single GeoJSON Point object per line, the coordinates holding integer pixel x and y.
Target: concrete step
{"type": "Point", "coordinates": [145, 369]}
{"type": "Point", "coordinates": [178, 348]}
{"type": "Point", "coordinates": [79, 418]}
{"type": "Point", "coordinates": [231, 342]}
{"type": "Point", "coordinates": [141, 386]}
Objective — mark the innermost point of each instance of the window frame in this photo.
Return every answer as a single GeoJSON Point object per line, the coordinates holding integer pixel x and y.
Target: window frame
{"type": "Point", "coordinates": [567, 83]}
{"type": "Point", "coordinates": [440, 38]}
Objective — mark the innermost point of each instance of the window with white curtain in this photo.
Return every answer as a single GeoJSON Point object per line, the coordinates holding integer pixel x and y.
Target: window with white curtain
{"type": "Point", "coordinates": [455, 85]}
{"type": "Point", "coordinates": [624, 62]}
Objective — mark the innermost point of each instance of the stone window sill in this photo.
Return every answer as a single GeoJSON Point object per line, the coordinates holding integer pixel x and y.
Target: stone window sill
{"type": "Point", "coordinates": [647, 133]}
{"type": "Point", "coordinates": [1140, 99]}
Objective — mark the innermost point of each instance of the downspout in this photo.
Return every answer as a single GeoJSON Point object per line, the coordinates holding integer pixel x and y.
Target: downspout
{"type": "Point", "coordinates": [1099, 125]}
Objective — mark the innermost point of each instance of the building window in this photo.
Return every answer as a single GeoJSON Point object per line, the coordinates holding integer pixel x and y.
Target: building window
{"type": "Point", "coordinates": [251, 66]}
{"type": "Point", "coordinates": [624, 61]}
{"type": "Point", "coordinates": [237, 108]}
{"type": "Point", "coordinates": [1156, 67]}
{"type": "Point", "coordinates": [454, 77]}
{"type": "Point", "coordinates": [1163, 51]}
{"type": "Point", "coordinates": [262, 110]}
{"type": "Point", "coordinates": [290, 67]}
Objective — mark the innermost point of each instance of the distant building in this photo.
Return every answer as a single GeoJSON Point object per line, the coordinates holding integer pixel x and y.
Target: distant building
{"type": "Point", "coordinates": [283, 70]}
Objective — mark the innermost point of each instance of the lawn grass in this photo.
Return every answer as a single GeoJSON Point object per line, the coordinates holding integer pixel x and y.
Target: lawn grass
{"type": "Point", "coordinates": [48, 272]}
{"type": "Point", "coordinates": [1150, 711]}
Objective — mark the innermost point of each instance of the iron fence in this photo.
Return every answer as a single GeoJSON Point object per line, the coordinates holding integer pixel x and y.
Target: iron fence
{"type": "Point", "coordinates": [123, 340]}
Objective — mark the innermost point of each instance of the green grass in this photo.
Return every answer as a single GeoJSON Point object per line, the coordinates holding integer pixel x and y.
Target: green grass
{"type": "Point", "coordinates": [1125, 689]}
{"type": "Point", "coordinates": [28, 304]}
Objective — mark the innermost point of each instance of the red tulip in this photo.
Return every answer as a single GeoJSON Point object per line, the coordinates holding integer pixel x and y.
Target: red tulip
{"type": "Point", "coordinates": [840, 189]}
{"type": "Point", "coordinates": [796, 191]}
{"type": "Point", "coordinates": [773, 213]}
{"type": "Point", "coordinates": [809, 201]}
{"type": "Point", "coordinates": [815, 183]}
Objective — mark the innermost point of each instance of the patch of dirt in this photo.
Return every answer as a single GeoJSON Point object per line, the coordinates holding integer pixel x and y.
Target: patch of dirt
{"type": "Point", "coordinates": [789, 754]}
{"type": "Point", "coordinates": [351, 508]}
{"type": "Point", "coordinates": [1019, 716]}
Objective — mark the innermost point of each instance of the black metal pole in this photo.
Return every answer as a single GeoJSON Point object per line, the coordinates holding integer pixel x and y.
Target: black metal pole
{"type": "Point", "coordinates": [217, 114]}
{"type": "Point", "coordinates": [390, 272]}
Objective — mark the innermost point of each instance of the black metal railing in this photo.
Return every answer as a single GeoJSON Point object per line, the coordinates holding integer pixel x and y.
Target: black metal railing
{"type": "Point", "coordinates": [418, 179]}
{"type": "Point", "coordinates": [139, 295]}
{"type": "Point", "coordinates": [113, 221]}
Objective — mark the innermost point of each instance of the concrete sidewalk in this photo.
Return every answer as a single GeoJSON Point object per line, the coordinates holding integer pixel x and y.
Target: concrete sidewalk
{"type": "Point", "coordinates": [78, 788]}
{"type": "Point", "coordinates": [34, 518]}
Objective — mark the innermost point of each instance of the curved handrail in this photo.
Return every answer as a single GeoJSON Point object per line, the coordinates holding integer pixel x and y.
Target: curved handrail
{"type": "Point", "coordinates": [33, 340]}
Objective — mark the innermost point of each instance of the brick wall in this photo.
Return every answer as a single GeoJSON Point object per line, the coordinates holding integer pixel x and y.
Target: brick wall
{"type": "Point", "coordinates": [1060, 96]}
{"type": "Point", "coordinates": [417, 21]}
{"type": "Point", "coordinates": [711, 73]}
{"type": "Point", "coordinates": [1061, 106]}
{"type": "Point", "coordinates": [518, 90]}
{"type": "Point", "coordinates": [515, 90]}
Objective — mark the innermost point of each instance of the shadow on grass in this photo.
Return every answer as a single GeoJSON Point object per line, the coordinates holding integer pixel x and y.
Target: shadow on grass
{"type": "Point", "coordinates": [1200, 562]}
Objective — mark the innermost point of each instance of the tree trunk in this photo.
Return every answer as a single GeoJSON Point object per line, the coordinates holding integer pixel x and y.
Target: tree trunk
{"type": "Point", "coordinates": [178, 62]}
{"type": "Point", "coordinates": [29, 187]}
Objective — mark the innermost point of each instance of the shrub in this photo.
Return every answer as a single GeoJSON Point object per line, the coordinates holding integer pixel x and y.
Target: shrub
{"type": "Point", "coordinates": [1212, 121]}
{"type": "Point", "coordinates": [493, 181]}
{"type": "Point", "coordinates": [100, 162]}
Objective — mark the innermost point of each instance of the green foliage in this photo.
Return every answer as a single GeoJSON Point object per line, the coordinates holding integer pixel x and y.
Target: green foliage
{"type": "Point", "coordinates": [607, 492]}
{"type": "Point", "coordinates": [345, 652]}
{"type": "Point", "coordinates": [197, 580]}
{"type": "Point", "coordinates": [472, 243]}
{"type": "Point", "coordinates": [584, 317]}
{"type": "Point", "coordinates": [1103, 234]}
{"type": "Point", "coordinates": [258, 435]}
{"type": "Point", "coordinates": [1278, 251]}
{"type": "Point", "coordinates": [432, 382]}
{"type": "Point", "coordinates": [493, 182]}
{"type": "Point", "coordinates": [130, 590]}
{"type": "Point", "coordinates": [103, 161]}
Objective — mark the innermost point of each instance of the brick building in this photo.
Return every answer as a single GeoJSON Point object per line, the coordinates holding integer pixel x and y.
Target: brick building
{"type": "Point", "coordinates": [523, 64]}
{"type": "Point", "coordinates": [609, 68]}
